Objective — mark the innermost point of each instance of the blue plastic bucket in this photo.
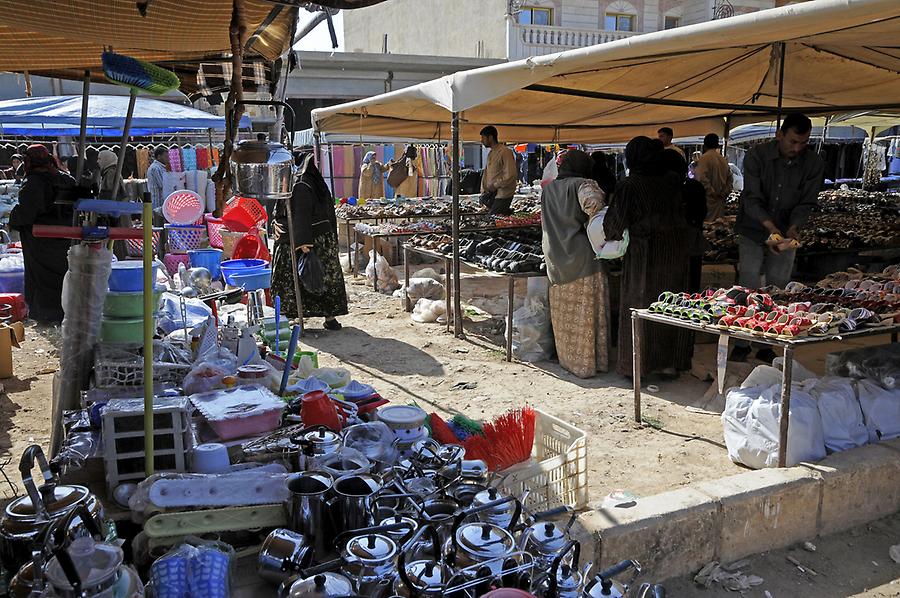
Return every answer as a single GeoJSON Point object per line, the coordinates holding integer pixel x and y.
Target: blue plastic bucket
{"type": "Point", "coordinates": [128, 276]}
{"type": "Point", "coordinates": [207, 258]}
{"type": "Point", "coordinates": [253, 281]}
{"type": "Point", "coordinates": [241, 267]}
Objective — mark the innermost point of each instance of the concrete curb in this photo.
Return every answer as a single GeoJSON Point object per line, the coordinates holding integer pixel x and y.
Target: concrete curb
{"type": "Point", "coordinates": [676, 533]}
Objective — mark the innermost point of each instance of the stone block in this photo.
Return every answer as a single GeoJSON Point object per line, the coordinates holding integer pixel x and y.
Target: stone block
{"type": "Point", "coordinates": [763, 510]}
{"type": "Point", "coordinates": [670, 534]}
{"type": "Point", "coordinates": [858, 486]}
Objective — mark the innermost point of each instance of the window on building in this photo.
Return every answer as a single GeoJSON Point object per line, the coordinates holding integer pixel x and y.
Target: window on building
{"type": "Point", "coordinates": [672, 22]}
{"type": "Point", "coordinates": [529, 15]}
{"type": "Point", "coordinates": [619, 22]}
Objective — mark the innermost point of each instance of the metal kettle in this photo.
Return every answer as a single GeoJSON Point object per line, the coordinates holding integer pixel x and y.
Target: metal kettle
{"type": "Point", "coordinates": [603, 586]}
{"type": "Point", "coordinates": [264, 170]}
{"type": "Point", "coordinates": [324, 585]}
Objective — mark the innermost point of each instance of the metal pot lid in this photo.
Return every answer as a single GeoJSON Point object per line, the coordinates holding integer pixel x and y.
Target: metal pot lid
{"type": "Point", "coordinates": [547, 537]}
{"type": "Point", "coordinates": [490, 495]}
{"type": "Point", "coordinates": [97, 565]}
{"type": "Point", "coordinates": [567, 578]}
{"type": "Point", "coordinates": [250, 151]}
{"type": "Point", "coordinates": [64, 498]}
{"type": "Point", "coordinates": [410, 525]}
{"type": "Point", "coordinates": [484, 539]}
{"type": "Point", "coordinates": [322, 437]}
{"type": "Point", "coordinates": [372, 548]}
{"type": "Point", "coordinates": [405, 417]}
{"type": "Point", "coordinates": [426, 575]}
{"type": "Point", "coordinates": [326, 584]}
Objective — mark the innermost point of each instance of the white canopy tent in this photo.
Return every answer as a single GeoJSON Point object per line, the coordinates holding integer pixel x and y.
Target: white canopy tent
{"type": "Point", "coordinates": [820, 57]}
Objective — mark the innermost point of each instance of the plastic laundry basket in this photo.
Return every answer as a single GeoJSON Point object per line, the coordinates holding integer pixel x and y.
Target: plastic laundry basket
{"type": "Point", "coordinates": [243, 213]}
{"type": "Point", "coordinates": [214, 228]}
{"type": "Point", "coordinates": [184, 238]}
{"type": "Point", "coordinates": [183, 207]}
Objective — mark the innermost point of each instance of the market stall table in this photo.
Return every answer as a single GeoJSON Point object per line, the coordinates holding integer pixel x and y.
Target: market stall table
{"type": "Point", "coordinates": [788, 346]}
{"type": "Point", "coordinates": [510, 276]}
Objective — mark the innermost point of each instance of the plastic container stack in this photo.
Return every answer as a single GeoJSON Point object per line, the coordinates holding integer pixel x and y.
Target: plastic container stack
{"type": "Point", "coordinates": [123, 309]}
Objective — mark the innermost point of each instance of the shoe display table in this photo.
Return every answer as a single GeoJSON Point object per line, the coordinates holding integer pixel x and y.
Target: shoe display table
{"type": "Point", "coordinates": [639, 316]}
{"type": "Point", "coordinates": [448, 263]}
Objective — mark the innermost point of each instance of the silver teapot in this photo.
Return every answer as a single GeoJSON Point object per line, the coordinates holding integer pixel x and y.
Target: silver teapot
{"type": "Point", "coordinates": [263, 170]}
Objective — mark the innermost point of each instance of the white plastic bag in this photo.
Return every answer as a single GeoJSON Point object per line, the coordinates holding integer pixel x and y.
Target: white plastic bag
{"type": "Point", "coordinates": [551, 171]}
{"type": "Point", "coordinates": [387, 278]}
{"type": "Point", "coordinates": [842, 418]}
{"type": "Point", "coordinates": [428, 310]}
{"type": "Point", "coordinates": [424, 287]}
{"type": "Point", "coordinates": [881, 409]}
{"type": "Point", "coordinates": [605, 250]}
{"type": "Point", "coordinates": [532, 335]}
{"type": "Point", "coordinates": [751, 423]}
{"type": "Point", "coordinates": [762, 375]}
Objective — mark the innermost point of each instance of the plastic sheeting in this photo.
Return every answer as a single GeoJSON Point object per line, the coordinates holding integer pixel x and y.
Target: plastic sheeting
{"type": "Point", "coordinates": [61, 115]}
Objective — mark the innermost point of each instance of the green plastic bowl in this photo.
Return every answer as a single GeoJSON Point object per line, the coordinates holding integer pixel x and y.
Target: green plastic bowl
{"type": "Point", "coordinates": [125, 330]}
{"type": "Point", "coordinates": [128, 305]}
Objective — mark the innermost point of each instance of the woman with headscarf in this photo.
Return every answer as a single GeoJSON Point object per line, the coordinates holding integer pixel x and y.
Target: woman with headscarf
{"type": "Point", "coordinates": [18, 167]}
{"type": "Point", "coordinates": [578, 292]}
{"type": "Point", "coordinates": [693, 199]}
{"type": "Point", "coordinates": [410, 185]}
{"type": "Point", "coordinates": [107, 161]}
{"type": "Point", "coordinates": [648, 204]}
{"type": "Point", "coordinates": [315, 229]}
{"type": "Point", "coordinates": [46, 260]}
{"type": "Point", "coordinates": [601, 173]}
{"type": "Point", "coordinates": [371, 178]}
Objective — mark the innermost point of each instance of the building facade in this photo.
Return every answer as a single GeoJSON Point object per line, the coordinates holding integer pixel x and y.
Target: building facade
{"type": "Point", "coordinates": [515, 29]}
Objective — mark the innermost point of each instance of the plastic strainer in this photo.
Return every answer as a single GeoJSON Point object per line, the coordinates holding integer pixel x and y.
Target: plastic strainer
{"type": "Point", "coordinates": [183, 207]}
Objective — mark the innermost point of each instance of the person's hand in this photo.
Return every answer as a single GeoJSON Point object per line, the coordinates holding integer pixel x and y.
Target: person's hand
{"type": "Point", "coordinates": [793, 233]}
{"type": "Point", "coordinates": [277, 230]}
{"type": "Point", "coordinates": [305, 248]}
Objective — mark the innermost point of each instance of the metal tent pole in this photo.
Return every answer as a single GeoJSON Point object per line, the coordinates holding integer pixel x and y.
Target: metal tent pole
{"type": "Point", "coordinates": [82, 135]}
{"type": "Point", "coordinates": [780, 83]}
{"type": "Point", "coordinates": [725, 137]}
{"type": "Point", "coordinates": [457, 301]}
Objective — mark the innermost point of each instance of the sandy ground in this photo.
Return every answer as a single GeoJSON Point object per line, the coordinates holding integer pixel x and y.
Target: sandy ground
{"type": "Point", "coordinates": [679, 443]}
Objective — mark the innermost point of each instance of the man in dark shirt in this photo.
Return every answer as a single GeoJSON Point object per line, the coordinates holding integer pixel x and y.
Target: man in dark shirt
{"type": "Point", "coordinates": [782, 179]}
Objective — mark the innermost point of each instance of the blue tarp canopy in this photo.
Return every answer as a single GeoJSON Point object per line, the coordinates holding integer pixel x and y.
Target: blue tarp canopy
{"type": "Point", "coordinates": [61, 115]}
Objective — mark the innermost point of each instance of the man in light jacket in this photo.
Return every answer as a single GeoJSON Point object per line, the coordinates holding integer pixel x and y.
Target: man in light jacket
{"type": "Point", "coordinates": [501, 176]}
{"type": "Point", "coordinates": [715, 175]}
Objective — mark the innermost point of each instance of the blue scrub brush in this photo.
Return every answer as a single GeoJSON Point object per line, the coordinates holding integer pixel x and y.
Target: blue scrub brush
{"type": "Point", "coordinates": [140, 76]}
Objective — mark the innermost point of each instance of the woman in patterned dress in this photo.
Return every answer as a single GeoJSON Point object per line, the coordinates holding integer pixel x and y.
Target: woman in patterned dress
{"type": "Point", "coordinates": [315, 229]}
{"type": "Point", "coordinates": [579, 305]}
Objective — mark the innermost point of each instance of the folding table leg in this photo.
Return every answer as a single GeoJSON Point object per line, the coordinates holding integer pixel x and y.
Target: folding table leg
{"type": "Point", "coordinates": [448, 277]}
{"type": "Point", "coordinates": [510, 298]}
{"type": "Point", "coordinates": [406, 279]}
{"type": "Point", "coordinates": [637, 329]}
{"type": "Point", "coordinates": [785, 405]}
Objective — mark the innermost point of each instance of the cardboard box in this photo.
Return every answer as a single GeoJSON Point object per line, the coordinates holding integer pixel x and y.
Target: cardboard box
{"type": "Point", "coordinates": [11, 335]}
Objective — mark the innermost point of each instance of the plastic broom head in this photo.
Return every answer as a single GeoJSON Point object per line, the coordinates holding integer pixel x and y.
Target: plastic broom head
{"type": "Point", "coordinates": [138, 75]}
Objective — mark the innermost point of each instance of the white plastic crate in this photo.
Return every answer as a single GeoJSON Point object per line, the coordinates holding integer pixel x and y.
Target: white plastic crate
{"type": "Point", "coordinates": [557, 473]}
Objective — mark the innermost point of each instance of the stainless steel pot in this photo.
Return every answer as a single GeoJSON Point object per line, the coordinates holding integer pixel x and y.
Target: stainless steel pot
{"type": "Point", "coordinates": [370, 560]}
{"type": "Point", "coordinates": [283, 554]}
{"type": "Point", "coordinates": [603, 585]}
{"type": "Point", "coordinates": [263, 170]}
{"type": "Point", "coordinates": [503, 514]}
{"type": "Point", "coordinates": [315, 443]}
{"type": "Point", "coordinates": [424, 577]}
{"type": "Point", "coordinates": [324, 585]}
{"type": "Point", "coordinates": [91, 570]}
{"type": "Point", "coordinates": [309, 492]}
{"type": "Point", "coordinates": [564, 579]}
{"type": "Point", "coordinates": [25, 518]}
{"type": "Point", "coordinates": [352, 503]}
{"type": "Point", "coordinates": [545, 541]}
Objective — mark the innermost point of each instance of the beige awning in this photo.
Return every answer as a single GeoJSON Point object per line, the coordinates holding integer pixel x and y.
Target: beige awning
{"type": "Point", "coordinates": [839, 56]}
{"type": "Point", "coordinates": [62, 38]}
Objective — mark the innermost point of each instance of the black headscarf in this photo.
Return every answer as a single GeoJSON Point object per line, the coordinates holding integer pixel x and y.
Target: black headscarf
{"type": "Point", "coordinates": [673, 162]}
{"type": "Point", "coordinates": [643, 156]}
{"type": "Point", "coordinates": [410, 151]}
{"type": "Point", "coordinates": [601, 173]}
{"type": "Point", "coordinates": [309, 173]}
{"type": "Point", "coordinates": [575, 163]}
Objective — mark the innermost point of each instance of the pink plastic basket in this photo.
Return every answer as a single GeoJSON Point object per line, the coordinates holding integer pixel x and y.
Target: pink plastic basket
{"type": "Point", "coordinates": [135, 247]}
{"type": "Point", "coordinates": [183, 207]}
{"type": "Point", "coordinates": [214, 228]}
{"type": "Point", "coordinates": [184, 238]}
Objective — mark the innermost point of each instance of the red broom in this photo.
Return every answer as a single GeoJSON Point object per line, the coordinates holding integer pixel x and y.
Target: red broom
{"type": "Point", "coordinates": [507, 440]}
{"type": "Point", "coordinates": [440, 431]}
